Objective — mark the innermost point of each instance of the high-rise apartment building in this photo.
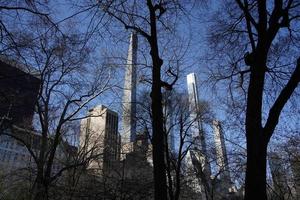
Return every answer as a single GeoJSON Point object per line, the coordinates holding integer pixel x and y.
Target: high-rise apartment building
{"type": "Point", "coordinates": [99, 138]}
{"type": "Point", "coordinates": [15, 157]}
{"type": "Point", "coordinates": [18, 95]}
{"type": "Point", "coordinates": [168, 116]}
{"type": "Point", "coordinates": [197, 155]}
{"type": "Point", "coordinates": [279, 174]}
{"type": "Point", "coordinates": [194, 170]}
{"type": "Point", "coordinates": [221, 155]}
{"type": "Point", "coordinates": [129, 96]}
{"type": "Point", "coordinates": [196, 128]}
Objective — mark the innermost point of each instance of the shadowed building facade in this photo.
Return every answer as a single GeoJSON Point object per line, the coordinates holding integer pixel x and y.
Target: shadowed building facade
{"type": "Point", "coordinates": [221, 155]}
{"type": "Point", "coordinates": [169, 119]}
{"type": "Point", "coordinates": [279, 176]}
{"type": "Point", "coordinates": [18, 95]}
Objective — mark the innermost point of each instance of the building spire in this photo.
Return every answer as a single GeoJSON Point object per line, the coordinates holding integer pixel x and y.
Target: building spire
{"type": "Point", "coordinates": [129, 97]}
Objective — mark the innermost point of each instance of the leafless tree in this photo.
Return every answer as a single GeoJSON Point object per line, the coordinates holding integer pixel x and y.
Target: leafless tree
{"type": "Point", "coordinates": [69, 80]}
{"type": "Point", "coordinates": [149, 19]}
{"type": "Point", "coordinates": [181, 126]}
{"type": "Point", "coordinates": [177, 124]}
{"type": "Point", "coordinates": [18, 15]}
{"type": "Point", "coordinates": [264, 35]}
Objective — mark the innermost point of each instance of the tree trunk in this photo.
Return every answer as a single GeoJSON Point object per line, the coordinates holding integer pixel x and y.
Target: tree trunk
{"type": "Point", "coordinates": [255, 186]}
{"type": "Point", "coordinates": [40, 190]}
{"type": "Point", "coordinates": [168, 165]}
{"type": "Point", "coordinates": [160, 187]}
{"type": "Point", "coordinates": [158, 143]}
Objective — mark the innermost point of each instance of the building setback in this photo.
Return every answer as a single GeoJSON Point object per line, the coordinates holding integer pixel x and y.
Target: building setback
{"type": "Point", "coordinates": [129, 96]}
{"type": "Point", "coordinates": [99, 139]}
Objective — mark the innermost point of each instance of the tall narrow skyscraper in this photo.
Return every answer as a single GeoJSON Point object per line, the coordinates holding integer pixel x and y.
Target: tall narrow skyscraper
{"type": "Point", "coordinates": [193, 102]}
{"type": "Point", "coordinates": [221, 156]}
{"type": "Point", "coordinates": [196, 129]}
{"type": "Point", "coordinates": [199, 153]}
{"type": "Point", "coordinates": [129, 97]}
{"type": "Point", "coordinates": [168, 115]}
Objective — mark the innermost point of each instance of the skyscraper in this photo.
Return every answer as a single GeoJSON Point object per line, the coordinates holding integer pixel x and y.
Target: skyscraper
{"type": "Point", "coordinates": [278, 172]}
{"type": "Point", "coordinates": [168, 115]}
{"type": "Point", "coordinates": [221, 156]}
{"type": "Point", "coordinates": [196, 128]}
{"type": "Point", "coordinates": [99, 138]}
{"type": "Point", "coordinates": [129, 97]}
{"type": "Point", "coordinates": [195, 175]}
{"type": "Point", "coordinates": [197, 155]}
{"type": "Point", "coordinates": [193, 102]}
{"type": "Point", "coordinates": [18, 94]}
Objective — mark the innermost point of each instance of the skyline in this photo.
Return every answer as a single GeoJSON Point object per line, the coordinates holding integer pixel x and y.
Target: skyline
{"type": "Point", "coordinates": [248, 70]}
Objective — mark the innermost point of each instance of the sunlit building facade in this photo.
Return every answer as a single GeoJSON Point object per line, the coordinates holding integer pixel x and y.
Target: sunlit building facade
{"type": "Point", "coordinates": [99, 138]}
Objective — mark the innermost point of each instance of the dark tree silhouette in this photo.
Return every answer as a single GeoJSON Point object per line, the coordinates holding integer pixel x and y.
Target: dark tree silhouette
{"type": "Point", "coordinates": [148, 18]}
{"type": "Point", "coordinates": [263, 35]}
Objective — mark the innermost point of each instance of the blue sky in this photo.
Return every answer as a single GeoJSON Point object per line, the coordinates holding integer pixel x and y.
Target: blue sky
{"type": "Point", "coordinates": [193, 30]}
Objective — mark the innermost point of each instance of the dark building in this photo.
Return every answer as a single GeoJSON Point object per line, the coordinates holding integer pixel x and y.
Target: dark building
{"type": "Point", "coordinates": [18, 95]}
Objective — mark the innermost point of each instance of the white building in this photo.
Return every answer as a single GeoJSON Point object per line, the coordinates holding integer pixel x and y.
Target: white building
{"type": "Point", "coordinates": [99, 138]}
{"type": "Point", "coordinates": [15, 156]}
